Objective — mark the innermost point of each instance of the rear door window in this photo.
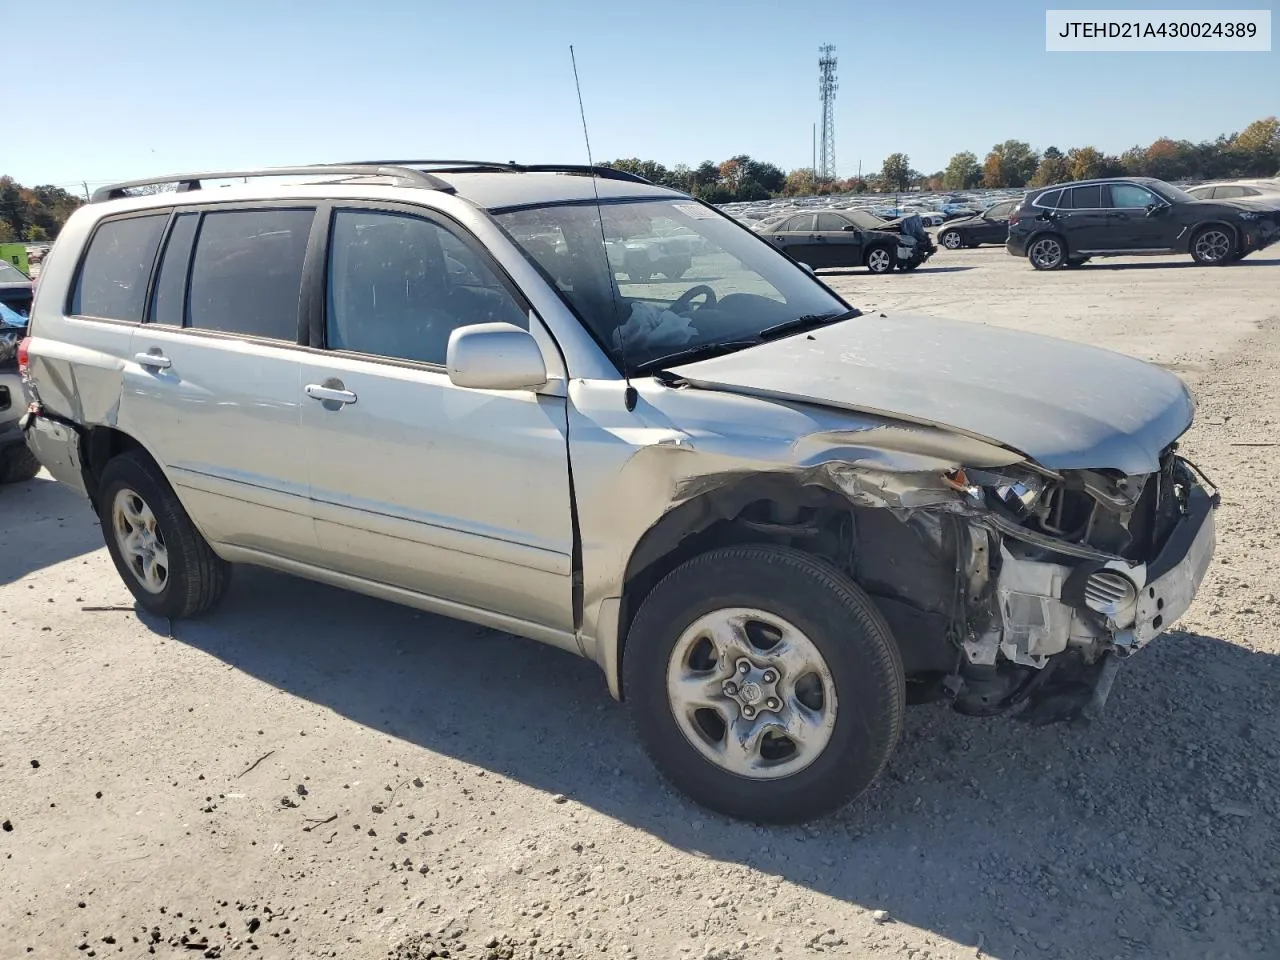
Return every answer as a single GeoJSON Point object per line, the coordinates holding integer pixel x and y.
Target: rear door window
{"type": "Point", "coordinates": [246, 276]}
{"type": "Point", "coordinates": [799, 224]}
{"type": "Point", "coordinates": [1086, 198]}
{"type": "Point", "coordinates": [1227, 193]}
{"type": "Point", "coordinates": [117, 267]}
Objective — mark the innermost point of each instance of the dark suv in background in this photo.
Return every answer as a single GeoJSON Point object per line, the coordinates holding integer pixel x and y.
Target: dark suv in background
{"type": "Point", "coordinates": [1066, 224]}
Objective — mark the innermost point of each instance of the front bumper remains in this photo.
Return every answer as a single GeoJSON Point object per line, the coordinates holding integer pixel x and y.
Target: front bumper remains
{"type": "Point", "coordinates": [1046, 608]}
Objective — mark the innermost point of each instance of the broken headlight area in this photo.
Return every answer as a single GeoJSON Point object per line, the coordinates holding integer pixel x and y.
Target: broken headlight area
{"type": "Point", "coordinates": [1085, 566]}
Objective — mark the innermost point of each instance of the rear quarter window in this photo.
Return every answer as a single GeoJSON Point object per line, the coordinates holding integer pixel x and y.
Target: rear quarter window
{"type": "Point", "coordinates": [112, 283]}
{"type": "Point", "coordinates": [1049, 200]}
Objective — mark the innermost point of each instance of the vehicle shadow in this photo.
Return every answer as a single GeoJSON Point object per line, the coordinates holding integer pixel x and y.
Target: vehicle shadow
{"type": "Point", "coordinates": [1033, 841]}
{"type": "Point", "coordinates": [857, 272]}
{"type": "Point", "coordinates": [1163, 264]}
{"type": "Point", "coordinates": [43, 523]}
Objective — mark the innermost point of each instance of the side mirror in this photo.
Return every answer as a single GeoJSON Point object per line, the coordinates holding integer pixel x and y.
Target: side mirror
{"type": "Point", "coordinates": [849, 228]}
{"type": "Point", "coordinates": [495, 356]}
{"type": "Point", "coordinates": [1154, 208]}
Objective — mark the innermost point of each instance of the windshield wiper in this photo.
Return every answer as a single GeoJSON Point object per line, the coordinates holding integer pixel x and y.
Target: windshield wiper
{"type": "Point", "coordinates": [701, 351]}
{"type": "Point", "coordinates": [809, 321]}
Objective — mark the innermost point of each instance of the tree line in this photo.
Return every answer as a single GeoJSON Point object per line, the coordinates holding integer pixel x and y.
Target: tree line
{"type": "Point", "coordinates": [34, 214]}
{"type": "Point", "coordinates": [1252, 152]}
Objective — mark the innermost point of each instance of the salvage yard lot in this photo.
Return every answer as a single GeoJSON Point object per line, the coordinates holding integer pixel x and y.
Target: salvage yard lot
{"type": "Point", "coordinates": [312, 773]}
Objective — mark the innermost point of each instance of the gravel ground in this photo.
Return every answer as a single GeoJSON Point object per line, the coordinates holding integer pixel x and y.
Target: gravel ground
{"type": "Point", "coordinates": [310, 773]}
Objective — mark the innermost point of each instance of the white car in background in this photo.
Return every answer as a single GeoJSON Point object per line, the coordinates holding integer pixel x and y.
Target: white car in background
{"type": "Point", "coordinates": [1237, 188]}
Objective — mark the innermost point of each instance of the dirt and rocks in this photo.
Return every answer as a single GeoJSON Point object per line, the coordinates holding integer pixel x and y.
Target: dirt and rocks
{"type": "Point", "coordinates": [309, 773]}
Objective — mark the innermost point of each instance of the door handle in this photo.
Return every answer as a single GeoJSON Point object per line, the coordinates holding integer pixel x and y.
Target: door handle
{"type": "Point", "coordinates": [156, 361]}
{"type": "Point", "coordinates": [317, 391]}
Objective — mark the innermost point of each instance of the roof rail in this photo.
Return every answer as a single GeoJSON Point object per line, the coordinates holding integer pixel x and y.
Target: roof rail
{"type": "Point", "coordinates": [479, 166]}
{"type": "Point", "coordinates": [192, 181]}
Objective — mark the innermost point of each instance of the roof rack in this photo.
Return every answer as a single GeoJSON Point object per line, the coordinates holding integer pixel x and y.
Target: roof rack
{"type": "Point", "coordinates": [481, 166]}
{"type": "Point", "coordinates": [192, 181]}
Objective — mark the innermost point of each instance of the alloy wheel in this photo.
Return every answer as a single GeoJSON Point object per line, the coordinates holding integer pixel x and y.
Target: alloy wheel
{"type": "Point", "coordinates": [751, 693]}
{"type": "Point", "coordinates": [140, 541]}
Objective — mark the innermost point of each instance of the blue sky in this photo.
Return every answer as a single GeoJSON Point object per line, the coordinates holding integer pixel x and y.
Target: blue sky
{"type": "Point", "coordinates": [135, 87]}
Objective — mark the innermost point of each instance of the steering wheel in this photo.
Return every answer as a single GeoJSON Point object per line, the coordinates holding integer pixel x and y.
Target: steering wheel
{"type": "Point", "coordinates": [687, 298]}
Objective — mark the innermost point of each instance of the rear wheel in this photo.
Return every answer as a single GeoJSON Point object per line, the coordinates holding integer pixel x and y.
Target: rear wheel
{"type": "Point", "coordinates": [880, 260]}
{"type": "Point", "coordinates": [1212, 246]}
{"type": "Point", "coordinates": [1047, 252]}
{"type": "Point", "coordinates": [17, 463]}
{"type": "Point", "coordinates": [764, 683]}
{"type": "Point", "coordinates": [161, 556]}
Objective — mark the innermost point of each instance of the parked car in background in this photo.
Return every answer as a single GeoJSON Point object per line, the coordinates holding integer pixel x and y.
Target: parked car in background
{"type": "Point", "coordinates": [850, 238]}
{"type": "Point", "coordinates": [17, 462]}
{"type": "Point", "coordinates": [990, 226]}
{"type": "Point", "coordinates": [1066, 224]}
{"type": "Point", "coordinates": [15, 288]}
{"type": "Point", "coordinates": [764, 513]}
{"type": "Point", "coordinates": [1236, 188]}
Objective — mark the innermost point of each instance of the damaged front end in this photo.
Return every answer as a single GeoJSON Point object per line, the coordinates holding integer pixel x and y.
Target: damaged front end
{"type": "Point", "coordinates": [1062, 574]}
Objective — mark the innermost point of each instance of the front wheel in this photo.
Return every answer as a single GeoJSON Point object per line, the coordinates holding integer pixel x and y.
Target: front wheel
{"type": "Point", "coordinates": [880, 260]}
{"type": "Point", "coordinates": [951, 239]}
{"type": "Point", "coordinates": [764, 683]}
{"type": "Point", "coordinates": [1213, 246]}
{"type": "Point", "coordinates": [1047, 253]}
{"type": "Point", "coordinates": [161, 556]}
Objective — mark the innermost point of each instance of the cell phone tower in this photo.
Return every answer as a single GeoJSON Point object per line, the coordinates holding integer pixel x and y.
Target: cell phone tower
{"type": "Point", "coordinates": [827, 94]}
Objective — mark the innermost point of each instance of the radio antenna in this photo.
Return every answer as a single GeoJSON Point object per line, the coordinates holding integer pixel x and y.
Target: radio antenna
{"type": "Point", "coordinates": [630, 397]}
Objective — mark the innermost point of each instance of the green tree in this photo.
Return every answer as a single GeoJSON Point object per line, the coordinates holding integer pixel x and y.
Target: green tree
{"type": "Point", "coordinates": [896, 172]}
{"type": "Point", "coordinates": [1083, 163]}
{"type": "Point", "coordinates": [963, 172]}
{"type": "Point", "coordinates": [1053, 169]}
{"type": "Point", "coordinates": [1009, 164]}
{"type": "Point", "coordinates": [6, 232]}
{"type": "Point", "coordinates": [1257, 148]}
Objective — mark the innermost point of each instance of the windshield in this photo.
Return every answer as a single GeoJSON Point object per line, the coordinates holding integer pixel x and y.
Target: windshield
{"type": "Point", "coordinates": [1169, 191]}
{"type": "Point", "coordinates": [11, 274]}
{"type": "Point", "coordinates": [680, 276]}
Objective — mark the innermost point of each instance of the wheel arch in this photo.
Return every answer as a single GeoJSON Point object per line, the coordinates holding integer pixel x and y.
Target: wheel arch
{"type": "Point", "coordinates": [1196, 228]}
{"type": "Point", "coordinates": [780, 509]}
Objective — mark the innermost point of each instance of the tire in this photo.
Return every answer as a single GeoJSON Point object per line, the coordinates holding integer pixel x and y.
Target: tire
{"type": "Point", "coordinates": [812, 602]}
{"type": "Point", "coordinates": [952, 240]}
{"type": "Point", "coordinates": [880, 260]}
{"type": "Point", "coordinates": [17, 463]}
{"type": "Point", "coordinates": [194, 578]}
{"type": "Point", "coordinates": [1047, 252]}
{"type": "Point", "coordinates": [1213, 246]}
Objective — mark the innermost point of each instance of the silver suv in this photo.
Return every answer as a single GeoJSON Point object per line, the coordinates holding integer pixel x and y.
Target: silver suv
{"type": "Point", "coordinates": [771, 519]}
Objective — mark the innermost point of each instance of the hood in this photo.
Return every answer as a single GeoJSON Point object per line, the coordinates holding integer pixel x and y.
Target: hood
{"type": "Point", "coordinates": [1065, 405]}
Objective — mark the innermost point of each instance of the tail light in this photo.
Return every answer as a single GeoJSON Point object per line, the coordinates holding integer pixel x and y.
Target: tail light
{"type": "Point", "coordinates": [24, 348]}
{"type": "Point", "coordinates": [1014, 217]}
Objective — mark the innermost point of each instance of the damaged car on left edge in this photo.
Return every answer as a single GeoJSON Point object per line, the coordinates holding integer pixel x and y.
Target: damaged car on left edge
{"type": "Point", "coordinates": [771, 519]}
